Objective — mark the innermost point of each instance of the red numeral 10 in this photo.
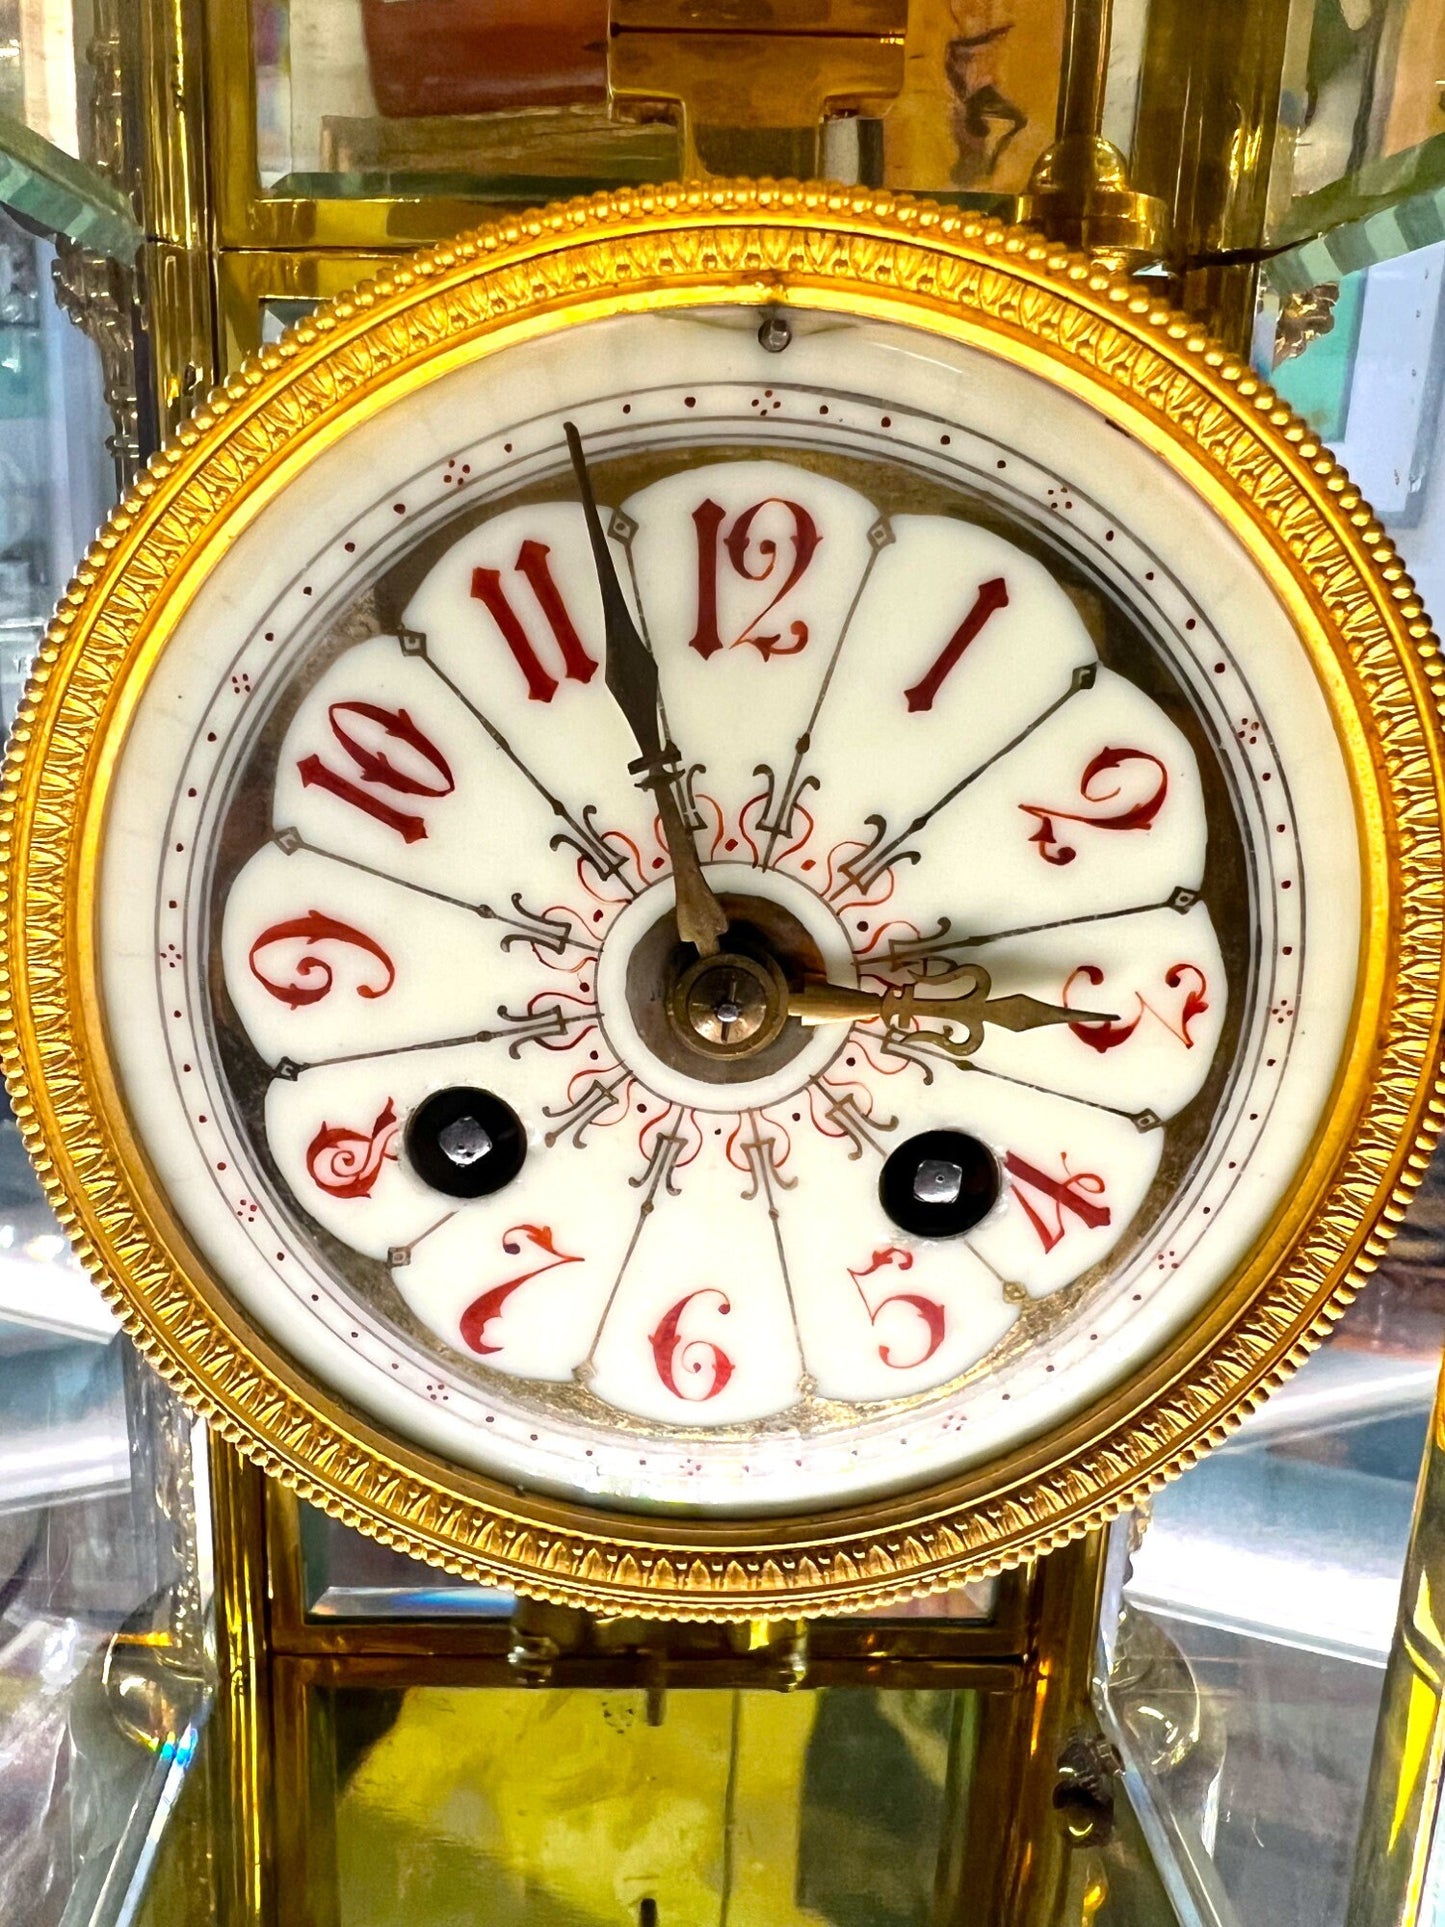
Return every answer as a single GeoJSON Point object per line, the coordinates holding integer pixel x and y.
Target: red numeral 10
{"type": "Point", "coordinates": [429, 773]}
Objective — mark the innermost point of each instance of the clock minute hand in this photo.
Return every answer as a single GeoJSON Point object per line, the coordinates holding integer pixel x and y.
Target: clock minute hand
{"type": "Point", "coordinates": [632, 681]}
{"type": "Point", "coordinates": [899, 1006]}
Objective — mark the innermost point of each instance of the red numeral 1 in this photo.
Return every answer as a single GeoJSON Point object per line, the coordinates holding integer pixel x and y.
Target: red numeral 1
{"type": "Point", "coordinates": [533, 566]}
{"type": "Point", "coordinates": [992, 596]}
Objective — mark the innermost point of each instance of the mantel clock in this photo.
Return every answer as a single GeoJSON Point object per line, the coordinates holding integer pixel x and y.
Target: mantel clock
{"type": "Point", "coordinates": [729, 900]}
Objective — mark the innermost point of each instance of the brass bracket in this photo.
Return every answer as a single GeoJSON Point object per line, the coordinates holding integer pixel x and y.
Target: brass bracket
{"type": "Point", "coordinates": [750, 83]}
{"type": "Point", "coordinates": [1079, 192]}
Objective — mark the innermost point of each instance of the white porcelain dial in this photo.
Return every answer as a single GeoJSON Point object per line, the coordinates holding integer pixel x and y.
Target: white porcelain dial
{"type": "Point", "coordinates": [959, 676]}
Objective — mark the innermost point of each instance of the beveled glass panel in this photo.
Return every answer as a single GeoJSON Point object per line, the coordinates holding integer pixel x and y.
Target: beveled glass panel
{"type": "Point", "coordinates": [385, 97]}
{"type": "Point", "coordinates": [1360, 117]}
{"type": "Point", "coordinates": [104, 1675]}
{"type": "Point", "coordinates": [1254, 1606]}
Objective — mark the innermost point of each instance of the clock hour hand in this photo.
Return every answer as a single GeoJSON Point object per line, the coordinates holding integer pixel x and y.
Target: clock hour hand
{"type": "Point", "coordinates": [632, 681]}
{"type": "Point", "coordinates": [966, 1011]}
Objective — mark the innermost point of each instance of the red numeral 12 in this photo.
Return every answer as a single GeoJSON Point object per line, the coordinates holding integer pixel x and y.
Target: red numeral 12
{"type": "Point", "coordinates": [709, 519]}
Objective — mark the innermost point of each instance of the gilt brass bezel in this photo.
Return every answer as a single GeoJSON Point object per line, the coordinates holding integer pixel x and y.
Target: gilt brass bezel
{"type": "Point", "coordinates": [1102, 339]}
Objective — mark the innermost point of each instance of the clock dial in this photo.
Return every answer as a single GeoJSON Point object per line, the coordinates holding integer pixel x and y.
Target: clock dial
{"type": "Point", "coordinates": [711, 966]}
{"type": "Point", "coordinates": [960, 736]}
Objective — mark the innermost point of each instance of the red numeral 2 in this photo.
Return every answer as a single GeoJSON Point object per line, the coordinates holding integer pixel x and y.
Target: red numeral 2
{"type": "Point", "coordinates": [429, 775]}
{"type": "Point", "coordinates": [708, 519]}
{"type": "Point", "coordinates": [1129, 800]}
{"type": "Point", "coordinates": [992, 596]}
{"type": "Point", "coordinates": [532, 565]}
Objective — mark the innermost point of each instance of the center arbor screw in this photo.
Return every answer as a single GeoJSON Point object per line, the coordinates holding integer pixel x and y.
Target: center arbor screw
{"type": "Point", "coordinates": [730, 1005]}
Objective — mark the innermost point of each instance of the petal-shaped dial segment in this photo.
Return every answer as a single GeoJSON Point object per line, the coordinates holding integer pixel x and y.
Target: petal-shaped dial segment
{"type": "Point", "coordinates": [1158, 976]}
{"type": "Point", "coordinates": [701, 1330]}
{"type": "Point", "coordinates": [512, 619]}
{"type": "Point", "coordinates": [749, 574]}
{"type": "Point", "coordinates": [387, 765]}
{"type": "Point", "coordinates": [1098, 811]}
{"type": "Point", "coordinates": [323, 961]}
{"type": "Point", "coordinates": [960, 645]}
{"type": "Point", "coordinates": [521, 1281]}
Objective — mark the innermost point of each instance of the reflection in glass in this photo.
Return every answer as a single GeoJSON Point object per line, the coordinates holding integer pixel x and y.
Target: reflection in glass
{"type": "Point", "coordinates": [564, 1809]}
{"type": "Point", "coordinates": [1252, 1608]}
{"type": "Point", "coordinates": [103, 1666]}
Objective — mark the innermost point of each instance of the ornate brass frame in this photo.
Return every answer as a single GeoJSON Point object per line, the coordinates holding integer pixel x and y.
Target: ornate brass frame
{"type": "Point", "coordinates": [1101, 338]}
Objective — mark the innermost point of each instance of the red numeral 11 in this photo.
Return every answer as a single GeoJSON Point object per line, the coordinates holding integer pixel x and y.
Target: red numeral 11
{"type": "Point", "coordinates": [533, 566]}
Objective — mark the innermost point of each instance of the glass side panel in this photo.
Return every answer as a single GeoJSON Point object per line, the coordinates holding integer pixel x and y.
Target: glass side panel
{"type": "Point", "coordinates": [103, 1671]}
{"type": "Point", "coordinates": [1360, 112]}
{"type": "Point", "coordinates": [435, 1804]}
{"type": "Point", "coordinates": [44, 78]}
{"type": "Point", "coordinates": [1254, 1606]}
{"type": "Point", "coordinates": [56, 481]}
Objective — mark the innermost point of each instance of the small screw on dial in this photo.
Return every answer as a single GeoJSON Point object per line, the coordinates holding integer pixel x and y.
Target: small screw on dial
{"type": "Point", "coordinates": [465, 1143]}
{"type": "Point", "coordinates": [939, 1184]}
{"type": "Point", "coordinates": [775, 334]}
